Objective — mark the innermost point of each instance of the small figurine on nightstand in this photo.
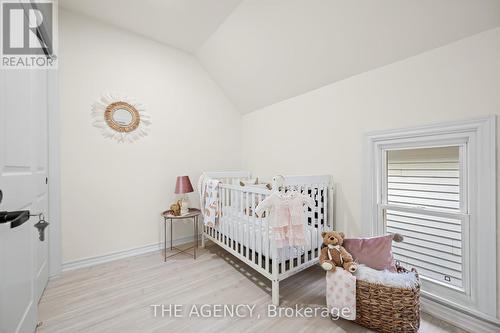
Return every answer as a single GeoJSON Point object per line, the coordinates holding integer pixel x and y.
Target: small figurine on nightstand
{"type": "Point", "coordinates": [176, 208]}
{"type": "Point", "coordinates": [183, 186]}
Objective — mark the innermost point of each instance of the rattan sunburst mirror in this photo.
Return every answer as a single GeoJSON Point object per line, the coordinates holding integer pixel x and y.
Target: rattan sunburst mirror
{"type": "Point", "coordinates": [121, 118]}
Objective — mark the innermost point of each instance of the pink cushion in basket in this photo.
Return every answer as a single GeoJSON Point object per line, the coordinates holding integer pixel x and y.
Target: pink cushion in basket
{"type": "Point", "coordinates": [374, 252]}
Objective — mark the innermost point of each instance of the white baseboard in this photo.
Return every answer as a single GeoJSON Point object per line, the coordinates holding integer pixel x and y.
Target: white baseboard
{"type": "Point", "coordinates": [458, 318]}
{"type": "Point", "coordinates": [91, 261]}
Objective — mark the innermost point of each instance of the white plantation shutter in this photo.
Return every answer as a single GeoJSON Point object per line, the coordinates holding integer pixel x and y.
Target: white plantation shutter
{"type": "Point", "coordinates": [427, 183]}
{"type": "Point", "coordinates": [423, 203]}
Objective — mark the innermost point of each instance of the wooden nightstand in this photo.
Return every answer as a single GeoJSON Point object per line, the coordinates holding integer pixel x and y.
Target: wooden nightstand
{"type": "Point", "coordinates": [192, 214]}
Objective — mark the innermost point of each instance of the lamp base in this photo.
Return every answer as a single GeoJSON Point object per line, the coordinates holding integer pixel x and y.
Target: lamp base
{"type": "Point", "coordinates": [184, 205]}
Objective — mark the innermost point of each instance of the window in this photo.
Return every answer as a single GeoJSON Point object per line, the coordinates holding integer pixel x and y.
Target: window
{"type": "Point", "coordinates": [436, 185]}
{"type": "Point", "coordinates": [423, 200]}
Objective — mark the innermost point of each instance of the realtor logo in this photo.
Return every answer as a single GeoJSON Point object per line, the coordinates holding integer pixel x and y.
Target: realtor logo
{"type": "Point", "coordinates": [28, 34]}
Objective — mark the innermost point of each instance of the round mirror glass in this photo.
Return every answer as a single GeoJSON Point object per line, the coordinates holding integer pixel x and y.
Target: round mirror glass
{"type": "Point", "coordinates": [122, 117]}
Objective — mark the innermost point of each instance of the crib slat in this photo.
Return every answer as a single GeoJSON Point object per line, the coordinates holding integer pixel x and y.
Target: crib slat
{"type": "Point", "coordinates": [312, 229]}
{"type": "Point", "coordinates": [315, 221]}
{"type": "Point", "coordinates": [232, 208]}
{"type": "Point", "coordinates": [231, 221]}
{"type": "Point", "coordinates": [261, 233]}
{"type": "Point", "coordinates": [250, 227]}
{"type": "Point", "coordinates": [229, 197]}
{"type": "Point", "coordinates": [227, 219]}
{"type": "Point", "coordinates": [233, 218]}
{"type": "Point", "coordinates": [254, 228]}
{"type": "Point", "coordinates": [241, 225]}
{"type": "Point", "coordinates": [246, 230]}
{"type": "Point", "coordinates": [251, 224]}
{"type": "Point", "coordinates": [244, 224]}
{"type": "Point", "coordinates": [302, 249]}
{"type": "Point", "coordinates": [267, 241]}
{"type": "Point", "coordinates": [320, 225]}
{"type": "Point", "coordinates": [218, 221]}
{"type": "Point", "coordinates": [227, 216]}
{"type": "Point", "coordinates": [285, 254]}
{"type": "Point", "coordinates": [224, 220]}
{"type": "Point", "coordinates": [215, 227]}
{"type": "Point", "coordinates": [326, 207]}
{"type": "Point", "coordinates": [244, 227]}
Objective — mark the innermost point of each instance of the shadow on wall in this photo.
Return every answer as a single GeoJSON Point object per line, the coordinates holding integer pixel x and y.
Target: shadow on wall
{"type": "Point", "coordinates": [343, 219]}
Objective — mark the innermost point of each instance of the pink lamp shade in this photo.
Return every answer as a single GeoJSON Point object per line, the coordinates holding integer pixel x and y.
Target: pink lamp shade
{"type": "Point", "coordinates": [183, 185]}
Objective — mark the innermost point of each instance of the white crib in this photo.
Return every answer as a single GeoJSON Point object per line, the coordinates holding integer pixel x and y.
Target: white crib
{"type": "Point", "coordinates": [248, 237]}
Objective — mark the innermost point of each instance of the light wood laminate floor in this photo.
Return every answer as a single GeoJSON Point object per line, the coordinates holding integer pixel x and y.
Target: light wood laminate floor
{"type": "Point", "coordinates": [117, 297]}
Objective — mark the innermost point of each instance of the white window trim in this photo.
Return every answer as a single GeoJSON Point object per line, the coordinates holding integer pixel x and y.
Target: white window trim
{"type": "Point", "coordinates": [481, 139]}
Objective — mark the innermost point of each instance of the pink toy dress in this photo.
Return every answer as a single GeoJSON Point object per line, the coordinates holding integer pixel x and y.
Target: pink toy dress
{"type": "Point", "coordinates": [286, 216]}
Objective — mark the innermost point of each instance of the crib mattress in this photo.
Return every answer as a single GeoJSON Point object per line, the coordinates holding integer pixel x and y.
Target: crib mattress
{"type": "Point", "coordinates": [240, 229]}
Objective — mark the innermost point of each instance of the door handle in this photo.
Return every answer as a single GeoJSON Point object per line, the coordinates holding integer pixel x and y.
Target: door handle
{"type": "Point", "coordinates": [15, 218]}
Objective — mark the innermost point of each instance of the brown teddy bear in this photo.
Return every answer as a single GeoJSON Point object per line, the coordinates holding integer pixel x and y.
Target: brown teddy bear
{"type": "Point", "coordinates": [334, 254]}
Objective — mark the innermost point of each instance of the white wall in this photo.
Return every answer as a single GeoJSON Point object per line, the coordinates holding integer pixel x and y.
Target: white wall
{"type": "Point", "coordinates": [322, 131]}
{"type": "Point", "coordinates": [113, 194]}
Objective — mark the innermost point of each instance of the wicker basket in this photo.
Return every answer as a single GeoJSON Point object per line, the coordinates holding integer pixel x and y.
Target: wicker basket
{"type": "Point", "coordinates": [388, 309]}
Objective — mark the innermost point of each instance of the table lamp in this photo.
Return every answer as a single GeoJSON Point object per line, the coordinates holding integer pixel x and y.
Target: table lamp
{"type": "Point", "coordinates": [183, 186]}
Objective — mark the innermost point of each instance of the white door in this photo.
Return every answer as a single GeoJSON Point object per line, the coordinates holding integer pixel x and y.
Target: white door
{"type": "Point", "coordinates": [23, 182]}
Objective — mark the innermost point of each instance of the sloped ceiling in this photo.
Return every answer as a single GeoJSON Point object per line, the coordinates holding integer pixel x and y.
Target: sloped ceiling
{"type": "Point", "coordinates": [270, 50]}
{"type": "Point", "coordinates": [184, 24]}
{"type": "Point", "coordinates": [264, 51]}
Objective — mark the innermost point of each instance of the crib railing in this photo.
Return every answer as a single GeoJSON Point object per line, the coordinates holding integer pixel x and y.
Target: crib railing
{"type": "Point", "coordinates": [249, 236]}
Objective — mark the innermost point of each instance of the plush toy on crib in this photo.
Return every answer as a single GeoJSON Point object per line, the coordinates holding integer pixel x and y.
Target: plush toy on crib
{"type": "Point", "coordinates": [334, 254]}
{"type": "Point", "coordinates": [249, 207]}
{"type": "Point", "coordinates": [255, 182]}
